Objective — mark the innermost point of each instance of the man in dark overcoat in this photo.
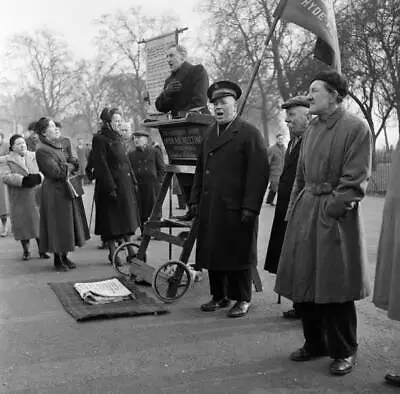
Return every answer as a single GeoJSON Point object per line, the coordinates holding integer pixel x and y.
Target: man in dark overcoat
{"type": "Point", "coordinates": [276, 157]}
{"type": "Point", "coordinates": [186, 87]}
{"type": "Point", "coordinates": [297, 120]}
{"type": "Point", "coordinates": [148, 165]}
{"type": "Point", "coordinates": [228, 188]}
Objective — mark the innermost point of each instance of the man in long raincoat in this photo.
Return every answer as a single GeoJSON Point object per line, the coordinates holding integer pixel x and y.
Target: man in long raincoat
{"type": "Point", "coordinates": [324, 233]}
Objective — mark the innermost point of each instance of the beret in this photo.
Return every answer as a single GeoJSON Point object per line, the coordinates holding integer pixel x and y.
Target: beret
{"type": "Point", "coordinates": [223, 89]}
{"type": "Point", "coordinates": [334, 79]}
{"type": "Point", "coordinates": [296, 101]}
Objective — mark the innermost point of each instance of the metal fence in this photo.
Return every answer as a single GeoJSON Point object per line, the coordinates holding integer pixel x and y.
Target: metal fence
{"type": "Point", "coordinates": [380, 174]}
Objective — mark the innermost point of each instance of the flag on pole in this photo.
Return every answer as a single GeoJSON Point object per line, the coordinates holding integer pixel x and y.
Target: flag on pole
{"type": "Point", "coordinates": [317, 16]}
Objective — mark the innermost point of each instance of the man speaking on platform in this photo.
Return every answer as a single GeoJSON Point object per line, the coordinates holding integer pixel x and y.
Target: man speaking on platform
{"type": "Point", "coordinates": [186, 87]}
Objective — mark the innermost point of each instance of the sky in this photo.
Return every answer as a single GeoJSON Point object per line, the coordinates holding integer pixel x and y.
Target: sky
{"type": "Point", "coordinates": [74, 18]}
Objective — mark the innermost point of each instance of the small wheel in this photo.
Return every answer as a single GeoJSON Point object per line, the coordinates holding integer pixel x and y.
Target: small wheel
{"type": "Point", "coordinates": [123, 256]}
{"type": "Point", "coordinates": [171, 281]}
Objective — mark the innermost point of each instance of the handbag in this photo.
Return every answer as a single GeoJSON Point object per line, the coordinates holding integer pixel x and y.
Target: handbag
{"type": "Point", "coordinates": [74, 186]}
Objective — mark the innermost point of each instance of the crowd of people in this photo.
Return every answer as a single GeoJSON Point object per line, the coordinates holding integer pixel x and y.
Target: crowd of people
{"type": "Point", "coordinates": [316, 247]}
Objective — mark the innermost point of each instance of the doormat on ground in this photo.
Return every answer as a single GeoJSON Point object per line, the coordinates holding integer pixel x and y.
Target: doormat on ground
{"type": "Point", "coordinates": [141, 305]}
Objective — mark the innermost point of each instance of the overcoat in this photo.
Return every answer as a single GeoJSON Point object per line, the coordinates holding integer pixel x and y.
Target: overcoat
{"type": "Point", "coordinates": [231, 175]}
{"type": "Point", "coordinates": [194, 79]}
{"type": "Point", "coordinates": [4, 204]}
{"type": "Point", "coordinates": [115, 217]}
{"type": "Point", "coordinates": [278, 229]}
{"type": "Point", "coordinates": [149, 168]}
{"type": "Point", "coordinates": [387, 278]}
{"type": "Point", "coordinates": [82, 154]}
{"type": "Point", "coordinates": [324, 256]}
{"type": "Point", "coordinates": [276, 157]}
{"type": "Point", "coordinates": [24, 202]}
{"type": "Point", "coordinates": [63, 222]}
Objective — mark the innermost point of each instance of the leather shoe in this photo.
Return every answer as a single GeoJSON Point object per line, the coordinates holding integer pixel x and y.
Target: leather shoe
{"type": "Point", "coordinates": [291, 314]}
{"type": "Point", "coordinates": [392, 379]}
{"type": "Point", "coordinates": [213, 304]}
{"type": "Point", "coordinates": [239, 309]}
{"type": "Point", "coordinates": [303, 354]}
{"type": "Point", "coordinates": [343, 366]}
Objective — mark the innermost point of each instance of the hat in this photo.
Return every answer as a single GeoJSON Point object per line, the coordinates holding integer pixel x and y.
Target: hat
{"type": "Point", "coordinates": [296, 101]}
{"type": "Point", "coordinates": [334, 79]}
{"type": "Point", "coordinates": [141, 133]}
{"type": "Point", "coordinates": [223, 89]}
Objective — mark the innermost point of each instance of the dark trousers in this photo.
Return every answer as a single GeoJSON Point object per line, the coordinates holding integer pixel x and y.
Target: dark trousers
{"type": "Point", "coordinates": [329, 329]}
{"type": "Point", "coordinates": [271, 197]}
{"type": "Point", "coordinates": [235, 285]}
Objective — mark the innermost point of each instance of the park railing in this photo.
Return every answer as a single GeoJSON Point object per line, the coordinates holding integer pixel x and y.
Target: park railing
{"type": "Point", "coordinates": [379, 180]}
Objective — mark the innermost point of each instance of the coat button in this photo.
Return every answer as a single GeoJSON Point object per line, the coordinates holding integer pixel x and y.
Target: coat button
{"type": "Point", "coordinates": [211, 154]}
{"type": "Point", "coordinates": [207, 172]}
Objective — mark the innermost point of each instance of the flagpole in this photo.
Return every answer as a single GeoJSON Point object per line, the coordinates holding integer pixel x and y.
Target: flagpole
{"type": "Point", "coordinates": [277, 15]}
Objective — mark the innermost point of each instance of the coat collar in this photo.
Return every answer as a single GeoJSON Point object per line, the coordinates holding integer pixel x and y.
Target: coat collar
{"type": "Point", "coordinates": [20, 161]}
{"type": "Point", "coordinates": [215, 141]}
{"type": "Point", "coordinates": [182, 71]}
{"type": "Point", "coordinates": [333, 118]}
{"type": "Point", "coordinates": [51, 143]}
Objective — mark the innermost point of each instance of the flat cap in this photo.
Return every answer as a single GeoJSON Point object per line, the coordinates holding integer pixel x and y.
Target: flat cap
{"type": "Point", "coordinates": [141, 133]}
{"type": "Point", "coordinates": [223, 89]}
{"type": "Point", "coordinates": [296, 101]}
{"type": "Point", "coordinates": [334, 79]}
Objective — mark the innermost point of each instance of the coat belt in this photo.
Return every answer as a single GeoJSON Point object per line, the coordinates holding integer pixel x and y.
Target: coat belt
{"type": "Point", "coordinates": [319, 189]}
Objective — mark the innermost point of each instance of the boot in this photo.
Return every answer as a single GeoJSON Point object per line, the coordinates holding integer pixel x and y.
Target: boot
{"type": "Point", "coordinates": [66, 261]}
{"type": "Point", "coordinates": [25, 246]}
{"type": "Point", "coordinates": [42, 255]}
{"type": "Point", "coordinates": [58, 263]}
{"type": "Point", "coordinates": [111, 250]}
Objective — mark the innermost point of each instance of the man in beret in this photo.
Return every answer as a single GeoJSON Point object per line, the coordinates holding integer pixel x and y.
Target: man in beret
{"type": "Point", "coordinates": [297, 120]}
{"type": "Point", "coordinates": [228, 188]}
{"type": "Point", "coordinates": [186, 87]}
{"type": "Point", "coordinates": [149, 167]}
{"type": "Point", "coordinates": [324, 235]}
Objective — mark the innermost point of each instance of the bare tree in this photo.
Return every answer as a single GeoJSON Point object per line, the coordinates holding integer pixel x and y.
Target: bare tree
{"type": "Point", "coordinates": [49, 70]}
{"type": "Point", "coordinates": [92, 90]}
{"type": "Point", "coordinates": [370, 58]}
{"type": "Point", "coordinates": [118, 42]}
{"type": "Point", "coordinates": [238, 32]}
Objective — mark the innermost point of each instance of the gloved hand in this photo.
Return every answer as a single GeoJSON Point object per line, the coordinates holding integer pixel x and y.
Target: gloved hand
{"type": "Point", "coordinates": [113, 195]}
{"type": "Point", "coordinates": [173, 87]}
{"type": "Point", "coordinates": [31, 180]}
{"type": "Point", "coordinates": [194, 209]}
{"type": "Point", "coordinates": [248, 216]}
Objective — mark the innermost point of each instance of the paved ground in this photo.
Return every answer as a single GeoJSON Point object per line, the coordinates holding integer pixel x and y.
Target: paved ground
{"type": "Point", "coordinates": [43, 350]}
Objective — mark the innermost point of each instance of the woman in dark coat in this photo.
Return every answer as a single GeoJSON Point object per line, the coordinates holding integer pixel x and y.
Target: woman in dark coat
{"type": "Point", "coordinates": [62, 218]}
{"type": "Point", "coordinates": [117, 214]}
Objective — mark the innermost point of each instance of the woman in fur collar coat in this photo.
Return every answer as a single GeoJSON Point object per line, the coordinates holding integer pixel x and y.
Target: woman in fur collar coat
{"type": "Point", "coordinates": [23, 180]}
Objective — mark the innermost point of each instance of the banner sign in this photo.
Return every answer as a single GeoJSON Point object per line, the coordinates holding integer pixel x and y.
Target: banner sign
{"type": "Point", "coordinates": [157, 69]}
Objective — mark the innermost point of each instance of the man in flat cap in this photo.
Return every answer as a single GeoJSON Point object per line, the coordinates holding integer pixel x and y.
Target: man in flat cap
{"type": "Point", "coordinates": [228, 188]}
{"type": "Point", "coordinates": [148, 164]}
{"type": "Point", "coordinates": [297, 120]}
{"type": "Point", "coordinates": [324, 235]}
{"type": "Point", "coordinates": [186, 87]}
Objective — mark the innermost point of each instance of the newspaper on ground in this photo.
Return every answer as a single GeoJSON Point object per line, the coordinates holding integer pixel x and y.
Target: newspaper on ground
{"type": "Point", "coordinates": [103, 292]}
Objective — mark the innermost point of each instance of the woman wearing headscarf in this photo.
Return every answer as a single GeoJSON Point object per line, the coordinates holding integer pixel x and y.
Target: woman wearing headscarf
{"type": "Point", "coordinates": [117, 213]}
{"type": "Point", "coordinates": [62, 218]}
{"type": "Point", "coordinates": [23, 180]}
